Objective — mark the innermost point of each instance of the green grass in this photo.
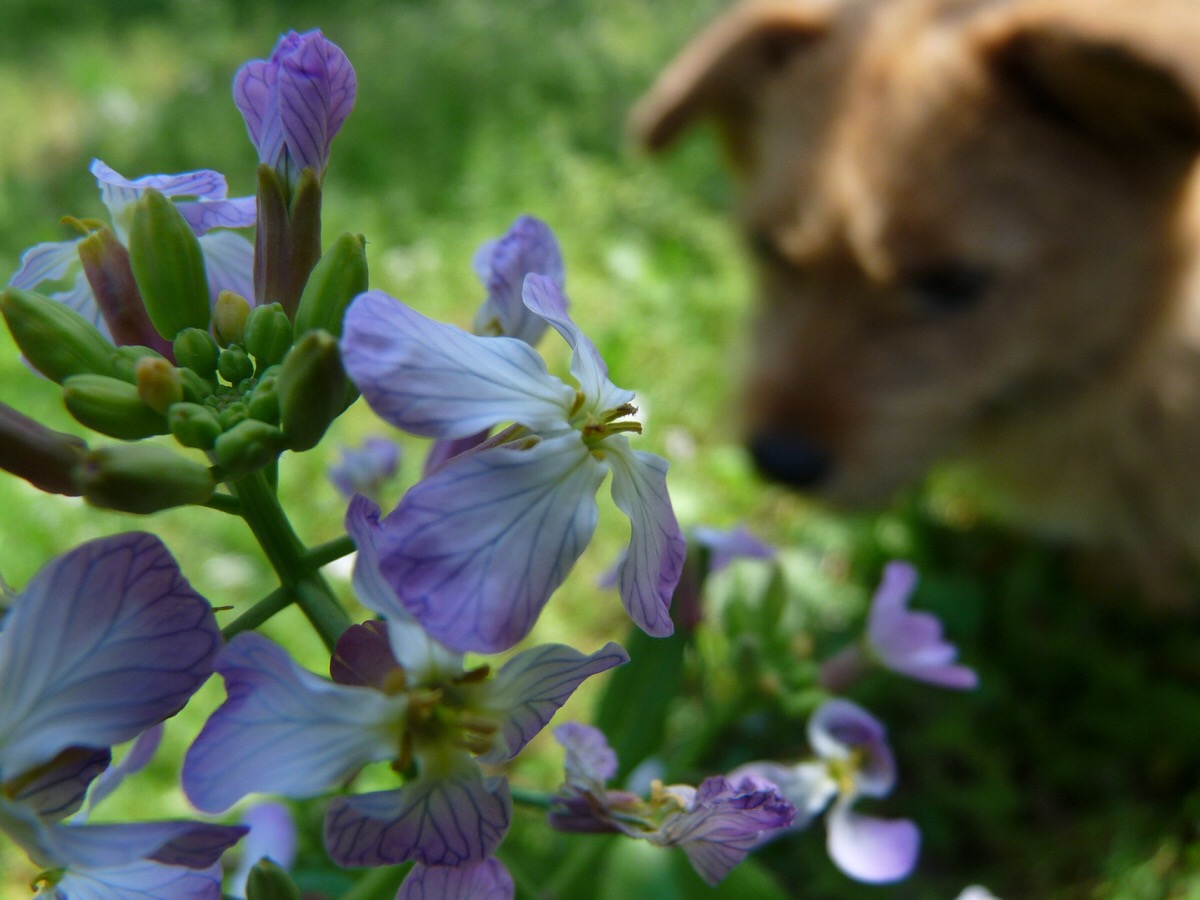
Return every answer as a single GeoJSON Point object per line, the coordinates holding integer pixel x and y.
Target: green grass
{"type": "Point", "coordinates": [1072, 773]}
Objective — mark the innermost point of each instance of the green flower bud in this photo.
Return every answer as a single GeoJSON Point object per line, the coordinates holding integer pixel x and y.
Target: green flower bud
{"type": "Point", "coordinates": [268, 334]}
{"type": "Point", "coordinates": [195, 349]}
{"type": "Point", "coordinates": [339, 277]}
{"type": "Point", "coordinates": [232, 414]}
{"type": "Point", "coordinates": [56, 340]}
{"type": "Point", "coordinates": [247, 446]}
{"type": "Point", "coordinates": [44, 458]}
{"type": "Point", "coordinates": [142, 478]}
{"type": "Point", "coordinates": [234, 364]}
{"type": "Point", "coordinates": [169, 266]}
{"type": "Point", "coordinates": [229, 316]}
{"type": "Point", "coordinates": [267, 881]}
{"type": "Point", "coordinates": [264, 401]}
{"type": "Point", "coordinates": [311, 388]}
{"type": "Point", "coordinates": [159, 384]}
{"type": "Point", "coordinates": [193, 425]}
{"type": "Point", "coordinates": [111, 406]}
{"type": "Point", "coordinates": [125, 361]}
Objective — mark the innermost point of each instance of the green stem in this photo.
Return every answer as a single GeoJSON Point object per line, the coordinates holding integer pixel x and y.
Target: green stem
{"type": "Point", "coordinates": [225, 503]}
{"type": "Point", "coordinates": [539, 799]}
{"type": "Point", "coordinates": [274, 602]}
{"type": "Point", "coordinates": [288, 556]}
{"type": "Point", "coordinates": [324, 554]}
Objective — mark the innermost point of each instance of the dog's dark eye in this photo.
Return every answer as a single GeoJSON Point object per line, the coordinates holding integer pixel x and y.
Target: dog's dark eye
{"type": "Point", "coordinates": [948, 287]}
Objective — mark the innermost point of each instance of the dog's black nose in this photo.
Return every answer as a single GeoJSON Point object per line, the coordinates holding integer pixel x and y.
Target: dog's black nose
{"type": "Point", "coordinates": [790, 459]}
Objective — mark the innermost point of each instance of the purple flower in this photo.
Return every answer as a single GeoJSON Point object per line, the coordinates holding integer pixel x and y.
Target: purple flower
{"type": "Point", "coordinates": [272, 836]}
{"type": "Point", "coordinates": [201, 198]}
{"type": "Point", "coordinates": [295, 102]}
{"type": "Point", "coordinates": [103, 644]}
{"type": "Point", "coordinates": [528, 247]}
{"type": "Point", "coordinates": [488, 880]}
{"type": "Point", "coordinates": [730, 544]}
{"type": "Point", "coordinates": [475, 549]}
{"type": "Point", "coordinates": [911, 643]}
{"type": "Point", "coordinates": [365, 470]}
{"type": "Point", "coordinates": [396, 695]}
{"type": "Point", "coordinates": [716, 824]}
{"type": "Point", "coordinates": [852, 760]}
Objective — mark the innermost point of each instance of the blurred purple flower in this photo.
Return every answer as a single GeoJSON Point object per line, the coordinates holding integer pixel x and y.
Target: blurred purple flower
{"type": "Point", "coordinates": [295, 102]}
{"type": "Point", "coordinates": [716, 824]}
{"type": "Point", "coordinates": [397, 695]}
{"type": "Point", "coordinates": [730, 544]}
{"type": "Point", "coordinates": [528, 247]}
{"type": "Point", "coordinates": [475, 550]}
{"type": "Point", "coordinates": [364, 470]}
{"type": "Point", "coordinates": [104, 643]}
{"type": "Point", "coordinates": [852, 760]}
{"type": "Point", "coordinates": [911, 643]}
{"type": "Point", "coordinates": [272, 835]}
{"type": "Point", "coordinates": [201, 198]}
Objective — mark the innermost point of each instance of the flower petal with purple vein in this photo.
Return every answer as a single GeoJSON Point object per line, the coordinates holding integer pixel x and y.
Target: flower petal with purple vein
{"type": "Point", "coordinates": [488, 880]}
{"type": "Point", "coordinates": [105, 641]}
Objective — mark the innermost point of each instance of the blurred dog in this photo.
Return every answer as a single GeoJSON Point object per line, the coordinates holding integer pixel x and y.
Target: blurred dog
{"type": "Point", "coordinates": [977, 228]}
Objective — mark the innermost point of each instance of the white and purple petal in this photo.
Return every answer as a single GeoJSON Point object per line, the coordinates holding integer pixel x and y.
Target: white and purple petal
{"type": "Point", "coordinates": [256, 95]}
{"type": "Point", "coordinates": [726, 545]}
{"type": "Point", "coordinates": [437, 380]}
{"type": "Point", "coordinates": [590, 761]}
{"type": "Point", "coordinates": [136, 759]}
{"type": "Point", "coordinates": [205, 215]}
{"type": "Point", "coordinates": [364, 470]}
{"type": "Point", "coordinates": [228, 264]}
{"type": "Point", "coordinates": [45, 262]}
{"type": "Point", "coordinates": [531, 687]}
{"type": "Point", "coordinates": [451, 818]}
{"type": "Point", "coordinates": [57, 788]}
{"type": "Point", "coordinates": [476, 549]}
{"type": "Point", "coordinates": [529, 246]}
{"type": "Point", "coordinates": [284, 730]}
{"type": "Point", "coordinates": [139, 880]}
{"type": "Point", "coordinates": [840, 730]}
{"type": "Point", "coordinates": [869, 849]}
{"type": "Point", "coordinates": [193, 845]}
{"type": "Point", "coordinates": [317, 87]}
{"type": "Point", "coordinates": [488, 880]}
{"type": "Point", "coordinates": [650, 569]}
{"type": "Point", "coordinates": [809, 786]}
{"type": "Point", "coordinates": [272, 836]}
{"type": "Point", "coordinates": [104, 642]}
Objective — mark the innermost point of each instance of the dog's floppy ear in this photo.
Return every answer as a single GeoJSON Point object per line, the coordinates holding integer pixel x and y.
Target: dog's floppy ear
{"type": "Point", "coordinates": [1127, 74]}
{"type": "Point", "coordinates": [717, 73]}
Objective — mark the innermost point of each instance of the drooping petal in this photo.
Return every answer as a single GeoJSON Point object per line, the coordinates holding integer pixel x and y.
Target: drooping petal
{"type": "Point", "coordinates": [651, 567]}
{"type": "Point", "coordinates": [140, 880]}
{"type": "Point", "coordinates": [194, 845]}
{"type": "Point", "coordinates": [56, 789]}
{"type": "Point", "coordinates": [488, 880]}
{"type": "Point", "coordinates": [138, 757]}
{"type": "Point", "coordinates": [437, 380]}
{"type": "Point", "coordinates": [723, 823]}
{"type": "Point", "coordinates": [590, 760]}
{"type": "Point", "coordinates": [284, 730]}
{"type": "Point", "coordinates": [872, 850]}
{"type": "Point", "coordinates": [256, 95]}
{"type": "Point", "coordinates": [317, 87]}
{"type": "Point", "coordinates": [104, 642]}
{"type": "Point", "coordinates": [544, 298]}
{"type": "Point", "coordinates": [840, 729]}
{"type": "Point", "coordinates": [475, 550]}
{"type": "Point", "coordinates": [531, 687]}
{"type": "Point", "coordinates": [453, 819]}
{"type": "Point", "coordinates": [528, 246]}
{"type": "Point", "coordinates": [45, 262]}
{"type": "Point", "coordinates": [119, 193]}
{"type": "Point", "coordinates": [228, 264]}
{"type": "Point", "coordinates": [911, 643]}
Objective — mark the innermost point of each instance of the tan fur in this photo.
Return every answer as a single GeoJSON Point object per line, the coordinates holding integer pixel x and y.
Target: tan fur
{"type": "Point", "coordinates": [1050, 145]}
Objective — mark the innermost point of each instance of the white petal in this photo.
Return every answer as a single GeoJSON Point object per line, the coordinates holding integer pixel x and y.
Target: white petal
{"type": "Point", "coordinates": [45, 262]}
{"type": "Point", "coordinates": [228, 263]}
{"type": "Point", "coordinates": [875, 851]}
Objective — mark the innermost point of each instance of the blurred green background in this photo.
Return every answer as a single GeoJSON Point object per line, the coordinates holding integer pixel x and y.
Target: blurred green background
{"type": "Point", "coordinates": [1071, 773]}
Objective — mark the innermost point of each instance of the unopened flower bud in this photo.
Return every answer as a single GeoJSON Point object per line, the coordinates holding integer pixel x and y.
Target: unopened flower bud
{"type": "Point", "coordinates": [264, 400]}
{"type": "Point", "coordinates": [267, 881]}
{"type": "Point", "coordinates": [159, 383]}
{"type": "Point", "coordinates": [125, 361]}
{"type": "Point", "coordinates": [247, 446]}
{"type": "Point", "coordinates": [194, 425]}
{"type": "Point", "coordinates": [142, 478]}
{"type": "Point", "coordinates": [195, 388]}
{"type": "Point", "coordinates": [232, 414]}
{"type": "Point", "coordinates": [229, 315]}
{"type": "Point", "coordinates": [195, 349]}
{"type": "Point", "coordinates": [234, 365]}
{"type": "Point", "coordinates": [268, 334]}
{"type": "Point", "coordinates": [311, 388]}
{"type": "Point", "coordinates": [43, 457]}
{"type": "Point", "coordinates": [168, 264]}
{"type": "Point", "coordinates": [111, 406]}
{"type": "Point", "coordinates": [110, 276]}
{"type": "Point", "coordinates": [56, 340]}
{"type": "Point", "coordinates": [339, 277]}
